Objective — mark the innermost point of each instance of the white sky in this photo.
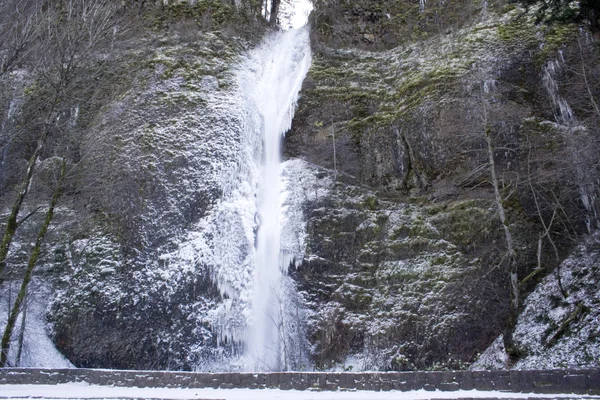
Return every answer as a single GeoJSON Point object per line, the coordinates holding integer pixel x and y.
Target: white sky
{"type": "Point", "coordinates": [84, 391]}
{"type": "Point", "coordinates": [294, 13]}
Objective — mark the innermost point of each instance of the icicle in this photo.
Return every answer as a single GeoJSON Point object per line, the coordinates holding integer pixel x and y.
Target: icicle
{"type": "Point", "coordinates": [566, 118]}
{"type": "Point", "coordinates": [565, 115]}
{"type": "Point", "coordinates": [489, 85]}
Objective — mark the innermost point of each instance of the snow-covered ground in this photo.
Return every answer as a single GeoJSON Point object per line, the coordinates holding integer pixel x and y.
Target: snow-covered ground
{"type": "Point", "coordinates": [558, 332]}
{"type": "Point", "coordinates": [38, 349]}
{"type": "Point", "coordinates": [84, 391]}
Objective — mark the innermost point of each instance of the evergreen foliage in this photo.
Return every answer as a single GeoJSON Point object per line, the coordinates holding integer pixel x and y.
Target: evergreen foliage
{"type": "Point", "coordinates": [567, 11]}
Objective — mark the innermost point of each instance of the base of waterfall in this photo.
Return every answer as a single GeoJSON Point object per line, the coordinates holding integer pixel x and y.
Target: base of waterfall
{"type": "Point", "coordinates": [84, 391]}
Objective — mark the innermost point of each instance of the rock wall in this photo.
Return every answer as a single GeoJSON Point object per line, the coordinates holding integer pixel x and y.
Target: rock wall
{"type": "Point", "coordinates": [404, 250]}
{"type": "Point", "coordinates": [398, 286]}
{"type": "Point", "coordinates": [406, 262]}
{"type": "Point", "coordinates": [580, 381]}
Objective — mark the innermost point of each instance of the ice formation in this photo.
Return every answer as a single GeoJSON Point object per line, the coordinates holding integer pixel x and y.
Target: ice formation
{"type": "Point", "coordinates": [284, 61]}
{"type": "Point", "coordinates": [241, 239]}
{"type": "Point", "coordinates": [575, 135]}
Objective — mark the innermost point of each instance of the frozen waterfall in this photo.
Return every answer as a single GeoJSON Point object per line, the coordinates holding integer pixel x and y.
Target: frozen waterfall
{"type": "Point", "coordinates": [576, 136]}
{"type": "Point", "coordinates": [255, 230]}
{"type": "Point", "coordinates": [285, 59]}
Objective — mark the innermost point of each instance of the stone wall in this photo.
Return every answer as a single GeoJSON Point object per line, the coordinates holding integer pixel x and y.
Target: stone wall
{"type": "Point", "coordinates": [533, 381]}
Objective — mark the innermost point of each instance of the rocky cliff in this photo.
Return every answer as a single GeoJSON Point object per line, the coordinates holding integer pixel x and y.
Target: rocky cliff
{"type": "Point", "coordinates": [404, 254]}
{"type": "Point", "coordinates": [400, 101]}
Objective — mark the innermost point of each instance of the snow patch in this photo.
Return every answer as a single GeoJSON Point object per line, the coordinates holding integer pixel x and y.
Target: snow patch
{"type": "Point", "coordinates": [38, 350]}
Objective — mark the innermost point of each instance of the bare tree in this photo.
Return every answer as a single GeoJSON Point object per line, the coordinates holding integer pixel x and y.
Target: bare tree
{"type": "Point", "coordinates": [66, 58]}
{"type": "Point", "coordinates": [33, 259]}
{"type": "Point", "coordinates": [19, 27]}
{"type": "Point", "coordinates": [511, 258]}
{"type": "Point", "coordinates": [73, 30]}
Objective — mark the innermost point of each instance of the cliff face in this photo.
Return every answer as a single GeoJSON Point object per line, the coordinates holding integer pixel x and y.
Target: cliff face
{"type": "Point", "coordinates": [151, 144]}
{"type": "Point", "coordinates": [399, 285]}
{"type": "Point", "coordinates": [163, 148]}
{"type": "Point", "coordinates": [404, 253]}
{"type": "Point", "coordinates": [401, 100]}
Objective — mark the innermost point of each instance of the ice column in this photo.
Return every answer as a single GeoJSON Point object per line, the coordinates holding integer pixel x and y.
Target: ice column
{"type": "Point", "coordinates": [285, 59]}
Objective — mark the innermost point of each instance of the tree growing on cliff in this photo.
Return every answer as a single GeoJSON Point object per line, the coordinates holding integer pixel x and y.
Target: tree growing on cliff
{"type": "Point", "coordinates": [32, 262]}
{"type": "Point", "coordinates": [18, 29]}
{"type": "Point", "coordinates": [64, 62]}
{"type": "Point", "coordinates": [66, 59]}
{"type": "Point", "coordinates": [511, 256]}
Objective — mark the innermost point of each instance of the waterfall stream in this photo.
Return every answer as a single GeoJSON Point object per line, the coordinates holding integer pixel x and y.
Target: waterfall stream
{"type": "Point", "coordinates": [255, 230]}
{"type": "Point", "coordinates": [286, 62]}
{"type": "Point", "coordinates": [243, 241]}
{"type": "Point", "coordinates": [575, 135]}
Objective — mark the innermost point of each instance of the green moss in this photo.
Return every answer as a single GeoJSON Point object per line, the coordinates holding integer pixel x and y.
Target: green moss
{"type": "Point", "coordinates": [419, 228]}
{"type": "Point", "coordinates": [400, 233]}
{"type": "Point", "coordinates": [465, 222]}
{"type": "Point", "coordinates": [381, 219]}
{"type": "Point", "coordinates": [556, 36]}
{"type": "Point", "coordinates": [32, 90]}
{"type": "Point", "coordinates": [418, 200]}
{"type": "Point", "coordinates": [520, 30]}
{"type": "Point", "coordinates": [203, 12]}
{"type": "Point", "coordinates": [370, 203]}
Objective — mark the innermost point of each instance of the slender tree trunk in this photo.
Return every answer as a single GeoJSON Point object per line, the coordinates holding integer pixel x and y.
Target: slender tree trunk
{"type": "Point", "coordinates": [334, 155]}
{"type": "Point", "coordinates": [546, 233]}
{"type": "Point", "coordinates": [585, 79]}
{"type": "Point", "coordinates": [510, 247]}
{"type": "Point", "coordinates": [21, 333]}
{"type": "Point", "coordinates": [513, 311]}
{"type": "Point", "coordinates": [33, 258]}
{"type": "Point", "coordinates": [594, 20]}
{"type": "Point", "coordinates": [12, 223]}
{"type": "Point", "coordinates": [274, 12]}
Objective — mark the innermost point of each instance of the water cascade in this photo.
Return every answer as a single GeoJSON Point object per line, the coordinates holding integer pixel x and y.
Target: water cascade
{"type": "Point", "coordinates": [254, 232]}
{"type": "Point", "coordinates": [575, 134]}
{"type": "Point", "coordinates": [276, 92]}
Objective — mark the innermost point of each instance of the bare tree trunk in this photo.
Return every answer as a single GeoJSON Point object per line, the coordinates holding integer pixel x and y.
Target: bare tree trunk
{"type": "Point", "coordinates": [510, 247]}
{"type": "Point", "coordinates": [546, 233]}
{"type": "Point", "coordinates": [33, 258]}
{"type": "Point", "coordinates": [334, 155]}
{"type": "Point", "coordinates": [21, 333]}
{"type": "Point", "coordinates": [11, 223]}
{"type": "Point", "coordinates": [274, 12]}
{"type": "Point", "coordinates": [585, 78]}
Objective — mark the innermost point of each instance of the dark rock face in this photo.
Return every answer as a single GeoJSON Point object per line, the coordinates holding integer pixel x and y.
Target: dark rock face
{"type": "Point", "coordinates": [397, 285]}
{"type": "Point", "coordinates": [408, 116]}
{"type": "Point", "coordinates": [411, 121]}
{"type": "Point", "coordinates": [377, 25]}
{"type": "Point", "coordinates": [137, 327]}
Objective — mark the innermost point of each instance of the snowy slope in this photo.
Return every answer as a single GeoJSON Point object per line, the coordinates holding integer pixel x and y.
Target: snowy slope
{"type": "Point", "coordinates": [38, 350]}
{"type": "Point", "coordinates": [81, 391]}
{"type": "Point", "coordinates": [557, 332]}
